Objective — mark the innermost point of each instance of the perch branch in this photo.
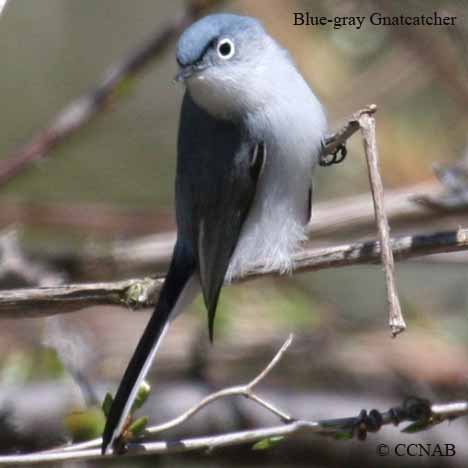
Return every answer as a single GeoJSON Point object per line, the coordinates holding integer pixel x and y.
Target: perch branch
{"type": "Point", "coordinates": [138, 293]}
{"type": "Point", "coordinates": [421, 413]}
{"type": "Point", "coordinates": [367, 124]}
{"type": "Point", "coordinates": [85, 108]}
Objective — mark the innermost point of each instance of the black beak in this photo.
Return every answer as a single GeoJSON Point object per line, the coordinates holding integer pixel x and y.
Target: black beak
{"type": "Point", "coordinates": [184, 73]}
{"type": "Point", "coordinates": [189, 70]}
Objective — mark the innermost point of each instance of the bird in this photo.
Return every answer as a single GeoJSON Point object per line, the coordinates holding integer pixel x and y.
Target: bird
{"type": "Point", "coordinates": [250, 136]}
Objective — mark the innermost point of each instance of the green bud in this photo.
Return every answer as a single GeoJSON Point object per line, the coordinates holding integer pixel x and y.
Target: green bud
{"type": "Point", "coordinates": [138, 426]}
{"type": "Point", "coordinates": [267, 443]}
{"type": "Point", "coordinates": [142, 395]}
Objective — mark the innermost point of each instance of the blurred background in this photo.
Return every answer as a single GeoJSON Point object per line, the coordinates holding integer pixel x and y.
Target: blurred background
{"type": "Point", "coordinates": [101, 205]}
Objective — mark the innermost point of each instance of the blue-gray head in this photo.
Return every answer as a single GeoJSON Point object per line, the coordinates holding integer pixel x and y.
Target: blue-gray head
{"type": "Point", "coordinates": [216, 40]}
{"type": "Point", "coordinates": [223, 58]}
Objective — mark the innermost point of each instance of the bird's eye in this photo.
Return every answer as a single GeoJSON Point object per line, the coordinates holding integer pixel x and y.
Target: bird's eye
{"type": "Point", "coordinates": [225, 48]}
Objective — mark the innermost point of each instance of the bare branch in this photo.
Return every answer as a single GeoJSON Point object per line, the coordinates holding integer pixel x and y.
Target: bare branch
{"type": "Point", "coordinates": [241, 390]}
{"type": "Point", "coordinates": [46, 301]}
{"type": "Point", "coordinates": [421, 413]}
{"type": "Point", "coordinates": [396, 321]}
{"type": "Point", "coordinates": [139, 293]}
{"type": "Point", "coordinates": [85, 108]}
{"type": "Point", "coordinates": [238, 390]}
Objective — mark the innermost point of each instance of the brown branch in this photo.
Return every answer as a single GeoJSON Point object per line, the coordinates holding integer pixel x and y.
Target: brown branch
{"type": "Point", "coordinates": [367, 124]}
{"type": "Point", "coordinates": [47, 301]}
{"type": "Point", "coordinates": [85, 108]}
{"type": "Point", "coordinates": [138, 293]}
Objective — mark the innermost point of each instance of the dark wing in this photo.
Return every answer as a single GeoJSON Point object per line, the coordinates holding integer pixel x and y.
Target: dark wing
{"type": "Point", "coordinates": [217, 172]}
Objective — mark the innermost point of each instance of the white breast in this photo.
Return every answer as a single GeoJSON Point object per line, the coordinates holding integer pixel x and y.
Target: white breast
{"type": "Point", "coordinates": [292, 124]}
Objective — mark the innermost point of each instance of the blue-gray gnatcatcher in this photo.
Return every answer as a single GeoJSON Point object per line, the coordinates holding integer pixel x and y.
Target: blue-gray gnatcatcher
{"type": "Point", "coordinates": [249, 138]}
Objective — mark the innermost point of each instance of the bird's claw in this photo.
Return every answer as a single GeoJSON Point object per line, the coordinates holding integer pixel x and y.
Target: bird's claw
{"type": "Point", "coordinates": [336, 157]}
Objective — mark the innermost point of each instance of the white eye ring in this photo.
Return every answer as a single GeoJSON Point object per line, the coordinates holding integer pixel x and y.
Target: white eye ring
{"type": "Point", "coordinates": [225, 48]}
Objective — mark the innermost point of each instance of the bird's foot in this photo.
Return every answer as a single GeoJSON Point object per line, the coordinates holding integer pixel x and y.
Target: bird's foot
{"type": "Point", "coordinates": [334, 158]}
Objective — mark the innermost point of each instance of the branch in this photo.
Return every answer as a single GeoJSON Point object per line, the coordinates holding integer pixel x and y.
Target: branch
{"type": "Point", "coordinates": [139, 293]}
{"type": "Point", "coordinates": [246, 391]}
{"type": "Point", "coordinates": [367, 124]}
{"type": "Point", "coordinates": [85, 108]}
{"type": "Point", "coordinates": [47, 301]}
{"type": "Point", "coordinates": [421, 413]}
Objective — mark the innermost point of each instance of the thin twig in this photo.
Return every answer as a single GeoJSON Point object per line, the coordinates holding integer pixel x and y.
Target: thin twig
{"type": "Point", "coordinates": [238, 390]}
{"type": "Point", "coordinates": [367, 124]}
{"type": "Point", "coordinates": [242, 390]}
{"type": "Point", "coordinates": [85, 108]}
{"type": "Point", "coordinates": [246, 390]}
{"type": "Point", "coordinates": [140, 293]}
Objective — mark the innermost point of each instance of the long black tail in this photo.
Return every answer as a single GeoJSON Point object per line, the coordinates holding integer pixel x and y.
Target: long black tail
{"type": "Point", "coordinates": [181, 269]}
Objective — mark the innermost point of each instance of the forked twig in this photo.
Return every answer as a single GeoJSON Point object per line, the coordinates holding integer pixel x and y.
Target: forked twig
{"type": "Point", "coordinates": [237, 390]}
